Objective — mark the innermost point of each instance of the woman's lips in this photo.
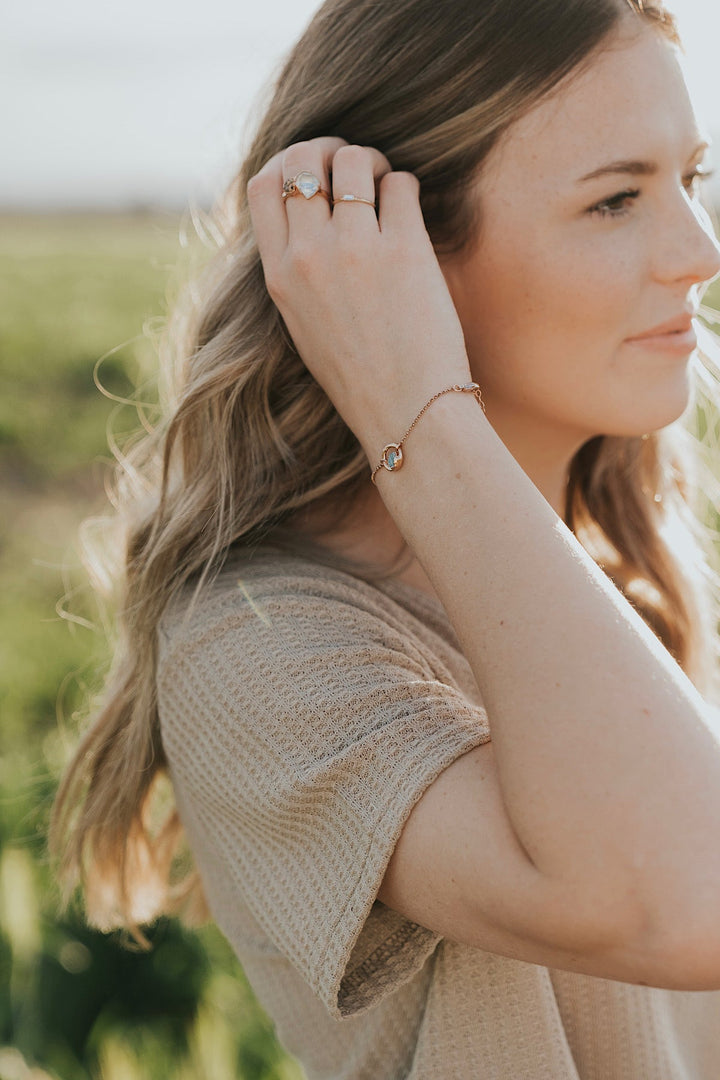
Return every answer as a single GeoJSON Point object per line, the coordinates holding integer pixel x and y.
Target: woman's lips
{"type": "Point", "coordinates": [678, 341]}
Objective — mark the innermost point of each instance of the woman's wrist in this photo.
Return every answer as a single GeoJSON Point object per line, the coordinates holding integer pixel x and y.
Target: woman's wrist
{"type": "Point", "coordinates": [391, 417]}
{"type": "Point", "coordinates": [392, 457]}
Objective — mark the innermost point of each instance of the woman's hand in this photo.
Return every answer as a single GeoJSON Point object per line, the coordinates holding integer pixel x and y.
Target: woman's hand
{"type": "Point", "coordinates": [361, 293]}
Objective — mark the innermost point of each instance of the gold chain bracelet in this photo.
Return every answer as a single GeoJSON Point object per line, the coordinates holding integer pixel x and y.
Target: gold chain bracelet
{"type": "Point", "coordinates": [393, 456]}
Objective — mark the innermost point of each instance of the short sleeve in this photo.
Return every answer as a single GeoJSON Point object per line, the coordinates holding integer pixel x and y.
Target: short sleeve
{"type": "Point", "coordinates": [301, 730]}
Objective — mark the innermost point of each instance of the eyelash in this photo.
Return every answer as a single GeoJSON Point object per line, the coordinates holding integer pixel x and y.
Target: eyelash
{"type": "Point", "coordinates": [606, 209]}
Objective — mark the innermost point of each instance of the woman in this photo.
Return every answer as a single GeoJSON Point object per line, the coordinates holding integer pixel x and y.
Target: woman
{"type": "Point", "coordinates": [319, 661]}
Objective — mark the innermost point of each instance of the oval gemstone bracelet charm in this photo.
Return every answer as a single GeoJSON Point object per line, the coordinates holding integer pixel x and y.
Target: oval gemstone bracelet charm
{"type": "Point", "coordinates": [392, 457]}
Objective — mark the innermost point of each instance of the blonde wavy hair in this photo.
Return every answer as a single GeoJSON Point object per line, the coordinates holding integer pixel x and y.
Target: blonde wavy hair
{"type": "Point", "coordinates": [247, 438]}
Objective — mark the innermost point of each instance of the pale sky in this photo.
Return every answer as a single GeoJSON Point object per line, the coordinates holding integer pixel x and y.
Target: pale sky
{"type": "Point", "coordinates": [147, 100]}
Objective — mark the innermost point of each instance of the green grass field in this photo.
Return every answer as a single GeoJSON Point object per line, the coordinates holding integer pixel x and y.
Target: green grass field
{"type": "Point", "coordinates": [74, 1003]}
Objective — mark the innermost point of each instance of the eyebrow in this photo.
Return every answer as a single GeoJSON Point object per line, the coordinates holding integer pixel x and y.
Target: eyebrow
{"type": "Point", "coordinates": [633, 168]}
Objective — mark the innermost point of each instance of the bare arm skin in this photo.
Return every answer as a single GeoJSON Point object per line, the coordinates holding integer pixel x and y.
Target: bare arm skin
{"type": "Point", "coordinates": [606, 764]}
{"type": "Point", "coordinates": [586, 835]}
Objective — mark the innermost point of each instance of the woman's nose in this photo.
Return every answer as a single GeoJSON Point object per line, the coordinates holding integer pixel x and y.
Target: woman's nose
{"type": "Point", "coordinates": [691, 250]}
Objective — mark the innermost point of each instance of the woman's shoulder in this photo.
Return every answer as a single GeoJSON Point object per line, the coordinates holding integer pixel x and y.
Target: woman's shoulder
{"type": "Point", "coordinates": [284, 635]}
{"type": "Point", "coordinates": [287, 602]}
{"type": "Point", "coordinates": [252, 580]}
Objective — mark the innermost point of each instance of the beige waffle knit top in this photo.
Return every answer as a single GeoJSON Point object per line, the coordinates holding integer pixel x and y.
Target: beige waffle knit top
{"type": "Point", "coordinates": [303, 712]}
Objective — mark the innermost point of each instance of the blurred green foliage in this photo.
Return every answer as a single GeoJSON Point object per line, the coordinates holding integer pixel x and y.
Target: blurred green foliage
{"type": "Point", "coordinates": [712, 297]}
{"type": "Point", "coordinates": [76, 1004]}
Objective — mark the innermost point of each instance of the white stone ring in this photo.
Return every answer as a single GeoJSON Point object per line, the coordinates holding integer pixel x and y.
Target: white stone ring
{"type": "Point", "coordinates": [354, 198]}
{"type": "Point", "coordinates": [306, 184]}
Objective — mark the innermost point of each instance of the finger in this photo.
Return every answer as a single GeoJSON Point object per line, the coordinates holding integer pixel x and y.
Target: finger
{"type": "Point", "coordinates": [356, 171]}
{"type": "Point", "coordinates": [309, 161]}
{"type": "Point", "coordinates": [399, 204]}
{"type": "Point", "coordinates": [267, 212]}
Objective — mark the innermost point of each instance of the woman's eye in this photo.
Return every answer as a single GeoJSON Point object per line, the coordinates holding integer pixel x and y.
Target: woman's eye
{"type": "Point", "coordinates": [695, 179]}
{"type": "Point", "coordinates": [617, 206]}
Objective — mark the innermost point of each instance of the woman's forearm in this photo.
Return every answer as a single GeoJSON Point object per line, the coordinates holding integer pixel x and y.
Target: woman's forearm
{"type": "Point", "coordinates": [608, 761]}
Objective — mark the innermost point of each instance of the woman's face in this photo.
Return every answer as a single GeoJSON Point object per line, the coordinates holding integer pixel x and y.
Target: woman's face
{"type": "Point", "coordinates": [592, 233]}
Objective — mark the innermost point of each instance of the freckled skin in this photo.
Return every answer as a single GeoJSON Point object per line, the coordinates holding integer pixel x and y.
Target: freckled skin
{"type": "Point", "coordinates": [550, 293]}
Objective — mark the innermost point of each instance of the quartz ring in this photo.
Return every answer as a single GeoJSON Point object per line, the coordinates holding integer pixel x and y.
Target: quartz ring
{"type": "Point", "coordinates": [353, 198]}
{"type": "Point", "coordinates": [306, 184]}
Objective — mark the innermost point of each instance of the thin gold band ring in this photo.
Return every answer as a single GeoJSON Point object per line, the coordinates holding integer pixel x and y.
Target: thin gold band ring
{"type": "Point", "coordinates": [353, 198]}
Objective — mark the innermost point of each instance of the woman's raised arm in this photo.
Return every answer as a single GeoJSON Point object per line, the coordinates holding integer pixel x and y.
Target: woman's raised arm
{"type": "Point", "coordinates": [607, 759]}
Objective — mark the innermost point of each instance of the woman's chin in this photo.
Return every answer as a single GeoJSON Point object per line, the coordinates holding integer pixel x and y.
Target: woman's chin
{"type": "Point", "coordinates": [655, 408]}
